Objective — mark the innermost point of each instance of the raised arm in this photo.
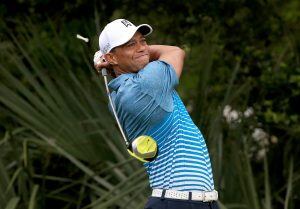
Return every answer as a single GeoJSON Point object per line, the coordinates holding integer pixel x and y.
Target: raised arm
{"type": "Point", "coordinates": [170, 54]}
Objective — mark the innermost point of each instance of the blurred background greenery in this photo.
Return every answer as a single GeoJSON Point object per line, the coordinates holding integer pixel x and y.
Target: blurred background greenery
{"type": "Point", "coordinates": [59, 146]}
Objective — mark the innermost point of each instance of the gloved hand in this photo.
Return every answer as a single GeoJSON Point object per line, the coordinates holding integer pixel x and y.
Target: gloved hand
{"type": "Point", "coordinates": [100, 62]}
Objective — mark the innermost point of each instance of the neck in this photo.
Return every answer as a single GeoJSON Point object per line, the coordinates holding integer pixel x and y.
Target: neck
{"type": "Point", "coordinates": [118, 71]}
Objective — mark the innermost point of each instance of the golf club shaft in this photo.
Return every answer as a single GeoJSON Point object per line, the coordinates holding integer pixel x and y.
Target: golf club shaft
{"type": "Point", "coordinates": [104, 74]}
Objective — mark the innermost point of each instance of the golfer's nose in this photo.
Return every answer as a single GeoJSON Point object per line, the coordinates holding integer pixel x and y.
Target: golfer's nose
{"type": "Point", "coordinates": [142, 46]}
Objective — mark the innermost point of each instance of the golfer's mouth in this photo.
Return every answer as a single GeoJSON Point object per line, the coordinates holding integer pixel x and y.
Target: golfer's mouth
{"type": "Point", "coordinates": [141, 56]}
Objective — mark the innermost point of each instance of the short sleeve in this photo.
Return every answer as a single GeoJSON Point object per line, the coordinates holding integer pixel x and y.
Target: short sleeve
{"type": "Point", "coordinates": [158, 79]}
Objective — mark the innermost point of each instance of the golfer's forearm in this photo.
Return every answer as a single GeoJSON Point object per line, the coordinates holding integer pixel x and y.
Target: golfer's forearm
{"type": "Point", "coordinates": [160, 50]}
{"type": "Point", "coordinates": [170, 54]}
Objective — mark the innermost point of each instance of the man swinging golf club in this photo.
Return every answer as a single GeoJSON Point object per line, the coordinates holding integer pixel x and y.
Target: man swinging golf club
{"type": "Point", "coordinates": [152, 118]}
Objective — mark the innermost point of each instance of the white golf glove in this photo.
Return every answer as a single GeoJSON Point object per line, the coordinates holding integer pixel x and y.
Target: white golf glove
{"type": "Point", "coordinates": [98, 56]}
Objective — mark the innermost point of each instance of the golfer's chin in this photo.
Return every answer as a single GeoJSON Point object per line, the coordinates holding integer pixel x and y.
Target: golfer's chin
{"type": "Point", "coordinates": [142, 62]}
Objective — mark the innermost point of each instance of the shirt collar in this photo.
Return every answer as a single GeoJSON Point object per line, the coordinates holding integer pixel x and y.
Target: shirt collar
{"type": "Point", "coordinates": [117, 82]}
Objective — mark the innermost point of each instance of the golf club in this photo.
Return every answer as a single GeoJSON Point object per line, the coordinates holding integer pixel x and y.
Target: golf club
{"type": "Point", "coordinates": [144, 148]}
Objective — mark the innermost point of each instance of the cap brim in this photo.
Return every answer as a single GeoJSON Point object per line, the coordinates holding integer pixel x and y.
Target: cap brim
{"type": "Point", "coordinates": [145, 29]}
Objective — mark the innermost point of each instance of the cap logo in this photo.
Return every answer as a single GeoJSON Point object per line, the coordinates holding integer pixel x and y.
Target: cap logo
{"type": "Point", "coordinates": [105, 48]}
{"type": "Point", "coordinates": [126, 23]}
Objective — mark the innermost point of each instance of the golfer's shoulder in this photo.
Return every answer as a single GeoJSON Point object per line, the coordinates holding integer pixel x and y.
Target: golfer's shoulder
{"type": "Point", "coordinates": [157, 72]}
{"type": "Point", "coordinates": [130, 87]}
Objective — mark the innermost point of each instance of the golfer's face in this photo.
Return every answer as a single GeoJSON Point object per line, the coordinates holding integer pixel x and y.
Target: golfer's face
{"type": "Point", "coordinates": [133, 55]}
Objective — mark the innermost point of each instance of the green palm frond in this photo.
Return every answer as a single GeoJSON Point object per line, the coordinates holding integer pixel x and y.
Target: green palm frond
{"type": "Point", "coordinates": [65, 111]}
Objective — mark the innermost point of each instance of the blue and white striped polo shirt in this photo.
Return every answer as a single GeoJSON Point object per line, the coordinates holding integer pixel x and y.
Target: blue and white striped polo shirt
{"type": "Point", "coordinates": [147, 104]}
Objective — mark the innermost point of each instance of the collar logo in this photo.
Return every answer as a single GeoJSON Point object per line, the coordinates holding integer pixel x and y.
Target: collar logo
{"type": "Point", "coordinates": [126, 23]}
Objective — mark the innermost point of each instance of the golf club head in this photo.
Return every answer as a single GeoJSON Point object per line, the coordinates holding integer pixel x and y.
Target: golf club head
{"type": "Point", "coordinates": [144, 147]}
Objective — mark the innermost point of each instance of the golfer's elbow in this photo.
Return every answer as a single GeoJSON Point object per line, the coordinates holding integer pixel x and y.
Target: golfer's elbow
{"type": "Point", "coordinates": [178, 60]}
{"type": "Point", "coordinates": [181, 53]}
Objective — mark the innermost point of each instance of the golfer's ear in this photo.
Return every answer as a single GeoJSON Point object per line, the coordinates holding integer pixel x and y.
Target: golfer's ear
{"type": "Point", "coordinates": [110, 58]}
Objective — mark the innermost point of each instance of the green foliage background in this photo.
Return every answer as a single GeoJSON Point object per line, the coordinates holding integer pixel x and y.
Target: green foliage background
{"type": "Point", "coordinates": [59, 147]}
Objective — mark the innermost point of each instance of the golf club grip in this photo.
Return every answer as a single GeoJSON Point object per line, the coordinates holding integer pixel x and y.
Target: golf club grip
{"type": "Point", "coordinates": [104, 74]}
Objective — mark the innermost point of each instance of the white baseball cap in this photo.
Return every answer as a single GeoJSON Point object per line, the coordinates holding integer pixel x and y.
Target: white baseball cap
{"type": "Point", "coordinates": [119, 32]}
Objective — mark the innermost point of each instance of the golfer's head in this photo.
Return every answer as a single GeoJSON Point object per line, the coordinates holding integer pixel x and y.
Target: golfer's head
{"type": "Point", "coordinates": [124, 45]}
